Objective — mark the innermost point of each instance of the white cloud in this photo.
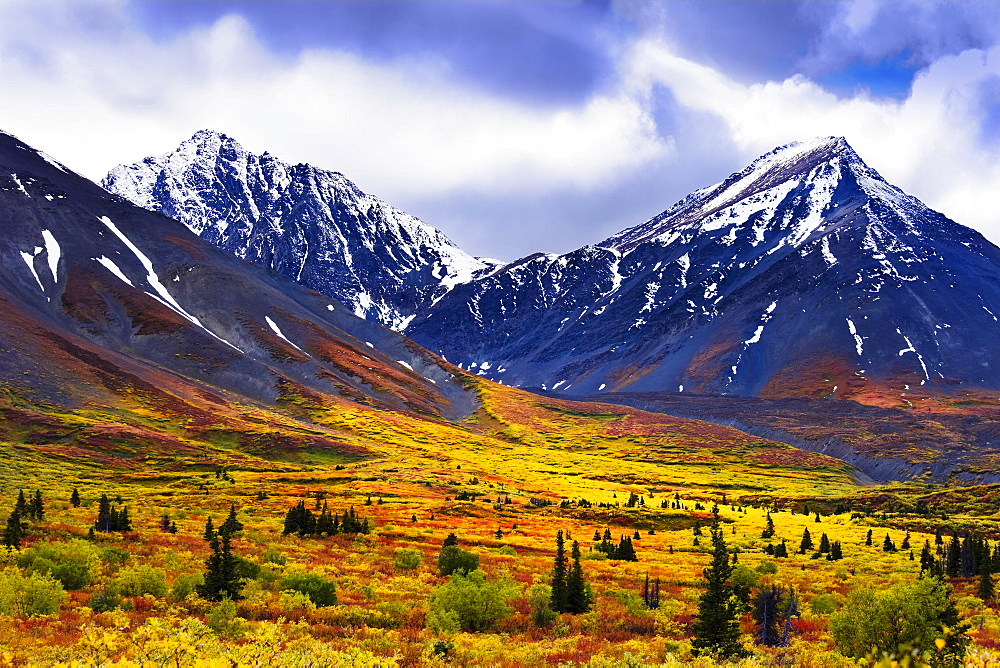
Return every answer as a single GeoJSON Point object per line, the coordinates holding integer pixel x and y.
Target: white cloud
{"type": "Point", "coordinates": [81, 81]}
{"type": "Point", "coordinates": [97, 97]}
{"type": "Point", "coordinates": [929, 144]}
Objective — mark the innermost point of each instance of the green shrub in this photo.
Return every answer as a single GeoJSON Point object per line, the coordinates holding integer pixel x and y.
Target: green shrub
{"type": "Point", "coordinates": [913, 615]}
{"type": "Point", "coordinates": [34, 594]}
{"type": "Point", "coordinates": [245, 569]}
{"type": "Point", "coordinates": [223, 621]}
{"type": "Point", "coordinates": [72, 563]}
{"type": "Point", "coordinates": [767, 567]}
{"type": "Point", "coordinates": [408, 559]}
{"type": "Point", "coordinates": [454, 559]}
{"type": "Point", "coordinates": [469, 602]}
{"type": "Point", "coordinates": [273, 555]}
{"type": "Point", "coordinates": [824, 604]}
{"type": "Point", "coordinates": [540, 598]}
{"type": "Point", "coordinates": [106, 599]}
{"type": "Point", "coordinates": [141, 580]}
{"type": "Point", "coordinates": [114, 556]}
{"type": "Point", "coordinates": [321, 592]}
{"type": "Point", "coordinates": [184, 585]}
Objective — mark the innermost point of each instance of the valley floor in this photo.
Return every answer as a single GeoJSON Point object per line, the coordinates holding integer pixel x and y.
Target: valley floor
{"type": "Point", "coordinates": [524, 468]}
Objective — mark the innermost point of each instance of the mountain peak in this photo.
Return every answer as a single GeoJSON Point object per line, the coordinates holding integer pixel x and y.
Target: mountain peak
{"type": "Point", "coordinates": [311, 225]}
{"type": "Point", "coordinates": [814, 169]}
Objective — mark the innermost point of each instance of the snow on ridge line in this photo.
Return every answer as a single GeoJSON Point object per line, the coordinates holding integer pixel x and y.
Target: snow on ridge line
{"type": "Point", "coordinates": [154, 282]}
{"type": "Point", "coordinates": [274, 327]}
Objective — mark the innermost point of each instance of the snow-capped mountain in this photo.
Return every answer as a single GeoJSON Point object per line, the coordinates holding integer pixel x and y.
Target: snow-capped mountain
{"type": "Point", "coordinates": [804, 274]}
{"type": "Point", "coordinates": [107, 304]}
{"type": "Point", "coordinates": [308, 224]}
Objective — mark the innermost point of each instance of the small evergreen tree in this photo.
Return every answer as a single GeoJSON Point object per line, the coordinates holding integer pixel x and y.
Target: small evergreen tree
{"type": "Point", "coordinates": [824, 544]}
{"type": "Point", "coordinates": [717, 628]}
{"type": "Point", "coordinates": [807, 542]}
{"type": "Point", "coordinates": [74, 498]}
{"type": "Point", "coordinates": [36, 507]}
{"type": "Point", "coordinates": [560, 571]}
{"type": "Point", "coordinates": [768, 531]}
{"type": "Point", "coordinates": [209, 529]}
{"type": "Point", "coordinates": [888, 545]}
{"type": "Point", "coordinates": [781, 550]}
{"type": "Point", "coordinates": [13, 531]}
{"type": "Point", "coordinates": [231, 526]}
{"type": "Point", "coordinates": [578, 598]}
{"type": "Point", "coordinates": [868, 538]}
{"type": "Point", "coordinates": [767, 616]}
{"type": "Point", "coordinates": [985, 590]}
{"type": "Point", "coordinates": [954, 565]}
{"type": "Point", "coordinates": [221, 580]}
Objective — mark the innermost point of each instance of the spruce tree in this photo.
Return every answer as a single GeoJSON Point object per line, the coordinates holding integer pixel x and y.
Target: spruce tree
{"type": "Point", "coordinates": [21, 506]}
{"type": "Point", "coordinates": [768, 532]}
{"type": "Point", "coordinates": [578, 600]}
{"type": "Point", "coordinates": [767, 616]}
{"type": "Point", "coordinates": [781, 550]}
{"type": "Point", "coordinates": [954, 564]}
{"type": "Point", "coordinates": [868, 538]}
{"type": "Point", "coordinates": [717, 627]}
{"type": "Point", "coordinates": [824, 544]}
{"type": "Point", "coordinates": [221, 580]}
{"type": "Point", "coordinates": [231, 526]}
{"type": "Point", "coordinates": [37, 508]}
{"type": "Point", "coordinates": [985, 590]}
{"type": "Point", "coordinates": [792, 610]}
{"type": "Point", "coordinates": [807, 542]}
{"type": "Point", "coordinates": [888, 545]}
{"type": "Point", "coordinates": [74, 498]}
{"type": "Point", "coordinates": [209, 530]}
{"type": "Point", "coordinates": [560, 571]}
{"type": "Point", "coordinates": [13, 531]}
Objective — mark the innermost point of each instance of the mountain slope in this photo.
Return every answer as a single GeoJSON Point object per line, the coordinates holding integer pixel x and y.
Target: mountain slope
{"type": "Point", "coordinates": [310, 225]}
{"type": "Point", "coordinates": [806, 274]}
{"type": "Point", "coordinates": [106, 304]}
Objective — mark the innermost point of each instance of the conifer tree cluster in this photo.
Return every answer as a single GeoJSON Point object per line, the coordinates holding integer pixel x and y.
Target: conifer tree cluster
{"type": "Point", "coordinates": [167, 525]}
{"type": "Point", "coordinates": [779, 550]}
{"type": "Point", "coordinates": [624, 551]}
{"type": "Point", "coordinates": [967, 557]}
{"type": "Point", "coordinates": [16, 527]}
{"type": "Point", "coordinates": [110, 518]}
{"type": "Point", "coordinates": [570, 593]}
{"type": "Point", "coordinates": [300, 520]}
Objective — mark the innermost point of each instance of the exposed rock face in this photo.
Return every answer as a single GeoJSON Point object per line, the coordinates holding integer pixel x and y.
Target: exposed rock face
{"type": "Point", "coordinates": [310, 225]}
{"type": "Point", "coordinates": [805, 274]}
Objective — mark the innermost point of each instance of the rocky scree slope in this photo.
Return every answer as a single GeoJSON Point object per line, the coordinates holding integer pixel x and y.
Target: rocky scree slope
{"type": "Point", "coordinates": [107, 304]}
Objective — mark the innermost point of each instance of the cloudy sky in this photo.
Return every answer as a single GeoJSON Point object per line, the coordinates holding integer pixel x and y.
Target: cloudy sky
{"type": "Point", "coordinates": [520, 126]}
